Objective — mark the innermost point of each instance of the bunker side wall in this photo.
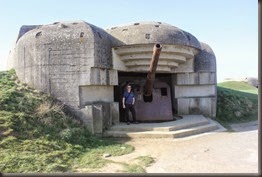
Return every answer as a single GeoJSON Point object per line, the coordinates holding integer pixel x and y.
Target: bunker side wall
{"type": "Point", "coordinates": [195, 93]}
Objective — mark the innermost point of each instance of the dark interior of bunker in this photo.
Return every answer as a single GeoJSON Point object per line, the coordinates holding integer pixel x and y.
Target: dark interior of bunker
{"type": "Point", "coordinates": [159, 109]}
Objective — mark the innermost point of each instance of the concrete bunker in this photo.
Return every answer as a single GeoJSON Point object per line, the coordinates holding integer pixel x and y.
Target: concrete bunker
{"type": "Point", "coordinates": [86, 67]}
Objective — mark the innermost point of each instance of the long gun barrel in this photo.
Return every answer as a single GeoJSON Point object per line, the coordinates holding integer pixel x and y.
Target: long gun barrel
{"type": "Point", "coordinates": [147, 94]}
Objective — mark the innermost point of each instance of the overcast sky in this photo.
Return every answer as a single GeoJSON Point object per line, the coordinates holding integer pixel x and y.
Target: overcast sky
{"type": "Point", "coordinates": [230, 27]}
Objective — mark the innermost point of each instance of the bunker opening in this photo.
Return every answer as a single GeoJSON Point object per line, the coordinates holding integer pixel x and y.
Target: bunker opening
{"type": "Point", "coordinates": [159, 109]}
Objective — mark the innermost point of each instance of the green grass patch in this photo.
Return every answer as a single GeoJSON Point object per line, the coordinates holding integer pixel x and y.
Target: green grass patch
{"type": "Point", "coordinates": [139, 165]}
{"type": "Point", "coordinates": [145, 161]}
{"type": "Point", "coordinates": [239, 86]}
{"type": "Point", "coordinates": [133, 168]}
{"type": "Point", "coordinates": [37, 136]}
{"type": "Point", "coordinates": [94, 158]}
{"type": "Point", "coordinates": [236, 102]}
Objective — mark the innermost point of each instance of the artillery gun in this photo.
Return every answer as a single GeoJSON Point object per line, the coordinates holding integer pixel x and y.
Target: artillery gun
{"type": "Point", "coordinates": [147, 91]}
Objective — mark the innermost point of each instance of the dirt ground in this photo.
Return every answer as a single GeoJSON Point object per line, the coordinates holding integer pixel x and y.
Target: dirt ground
{"type": "Point", "coordinates": [217, 152]}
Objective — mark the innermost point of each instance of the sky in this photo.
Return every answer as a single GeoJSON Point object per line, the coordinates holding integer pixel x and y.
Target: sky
{"type": "Point", "coordinates": [229, 27]}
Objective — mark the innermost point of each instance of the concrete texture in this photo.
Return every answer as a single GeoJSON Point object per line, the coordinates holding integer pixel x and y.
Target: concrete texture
{"type": "Point", "coordinates": [197, 78]}
{"type": "Point", "coordinates": [93, 93]}
{"type": "Point", "coordinates": [205, 106]}
{"type": "Point", "coordinates": [53, 59]}
{"type": "Point", "coordinates": [137, 58]}
{"type": "Point", "coordinates": [205, 60]}
{"type": "Point", "coordinates": [195, 91]}
{"type": "Point", "coordinates": [152, 32]}
{"type": "Point", "coordinates": [79, 64]}
{"type": "Point", "coordinates": [188, 126]}
{"type": "Point", "coordinates": [99, 116]}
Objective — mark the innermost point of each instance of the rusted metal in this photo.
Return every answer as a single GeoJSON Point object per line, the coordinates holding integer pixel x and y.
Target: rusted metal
{"type": "Point", "coordinates": [159, 109]}
{"type": "Point", "coordinates": [148, 87]}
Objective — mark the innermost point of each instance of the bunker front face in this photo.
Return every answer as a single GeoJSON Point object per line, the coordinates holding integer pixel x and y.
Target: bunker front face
{"type": "Point", "coordinates": [87, 68]}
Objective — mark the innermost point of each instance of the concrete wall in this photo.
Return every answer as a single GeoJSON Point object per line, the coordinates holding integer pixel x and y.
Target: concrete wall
{"type": "Point", "coordinates": [55, 59]}
{"type": "Point", "coordinates": [52, 59]}
{"type": "Point", "coordinates": [196, 90]}
{"type": "Point", "coordinates": [195, 93]}
{"type": "Point", "coordinates": [205, 106]}
{"type": "Point", "coordinates": [100, 116]}
{"type": "Point", "coordinates": [92, 93]}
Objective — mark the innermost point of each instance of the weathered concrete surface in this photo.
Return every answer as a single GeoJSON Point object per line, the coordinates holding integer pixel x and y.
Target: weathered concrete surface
{"type": "Point", "coordinates": [153, 32]}
{"type": "Point", "coordinates": [100, 116]}
{"type": "Point", "coordinates": [92, 93]}
{"type": "Point", "coordinates": [195, 91]}
{"type": "Point", "coordinates": [205, 106]}
{"type": "Point", "coordinates": [56, 59]}
{"type": "Point", "coordinates": [186, 122]}
{"type": "Point", "coordinates": [190, 125]}
{"type": "Point", "coordinates": [173, 58]}
{"type": "Point", "coordinates": [205, 60]}
{"type": "Point", "coordinates": [196, 78]}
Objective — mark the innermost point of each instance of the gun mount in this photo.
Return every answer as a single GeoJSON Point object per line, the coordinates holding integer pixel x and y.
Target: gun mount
{"type": "Point", "coordinates": [147, 93]}
{"type": "Point", "coordinates": [152, 91]}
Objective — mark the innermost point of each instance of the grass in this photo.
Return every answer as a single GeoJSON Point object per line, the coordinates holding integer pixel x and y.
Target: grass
{"type": "Point", "coordinates": [139, 167]}
{"type": "Point", "coordinates": [133, 168]}
{"type": "Point", "coordinates": [93, 160]}
{"type": "Point", "coordinates": [145, 161]}
{"type": "Point", "coordinates": [37, 136]}
{"type": "Point", "coordinates": [239, 86]}
{"type": "Point", "coordinates": [236, 102]}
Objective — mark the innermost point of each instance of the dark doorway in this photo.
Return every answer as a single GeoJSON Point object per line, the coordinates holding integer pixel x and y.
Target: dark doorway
{"type": "Point", "coordinates": [135, 79]}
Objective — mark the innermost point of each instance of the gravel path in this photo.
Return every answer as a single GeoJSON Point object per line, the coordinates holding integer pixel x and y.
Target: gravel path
{"type": "Point", "coordinates": [219, 152]}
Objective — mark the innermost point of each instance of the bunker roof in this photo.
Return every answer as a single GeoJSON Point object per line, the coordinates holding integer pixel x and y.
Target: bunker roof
{"type": "Point", "coordinates": [153, 32]}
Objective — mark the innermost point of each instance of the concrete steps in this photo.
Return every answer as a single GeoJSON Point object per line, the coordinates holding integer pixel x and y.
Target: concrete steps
{"type": "Point", "coordinates": [188, 126]}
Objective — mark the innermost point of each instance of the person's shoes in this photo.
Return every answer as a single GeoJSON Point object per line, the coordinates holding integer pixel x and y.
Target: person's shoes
{"type": "Point", "coordinates": [128, 123]}
{"type": "Point", "coordinates": [136, 122]}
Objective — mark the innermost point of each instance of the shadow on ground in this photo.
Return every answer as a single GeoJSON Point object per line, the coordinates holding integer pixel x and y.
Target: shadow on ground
{"type": "Point", "coordinates": [248, 126]}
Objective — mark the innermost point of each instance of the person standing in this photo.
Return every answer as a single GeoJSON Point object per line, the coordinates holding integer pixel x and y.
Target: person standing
{"type": "Point", "coordinates": [128, 104]}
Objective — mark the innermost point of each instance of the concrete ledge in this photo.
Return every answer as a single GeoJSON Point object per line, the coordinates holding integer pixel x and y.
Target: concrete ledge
{"type": "Point", "coordinates": [162, 134]}
{"type": "Point", "coordinates": [190, 125]}
{"type": "Point", "coordinates": [187, 121]}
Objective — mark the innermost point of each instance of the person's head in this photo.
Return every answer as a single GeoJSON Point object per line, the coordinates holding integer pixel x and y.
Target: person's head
{"type": "Point", "coordinates": [128, 87]}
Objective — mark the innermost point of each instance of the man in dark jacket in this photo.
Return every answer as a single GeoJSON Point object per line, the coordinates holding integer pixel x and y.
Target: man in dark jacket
{"type": "Point", "coordinates": [128, 104]}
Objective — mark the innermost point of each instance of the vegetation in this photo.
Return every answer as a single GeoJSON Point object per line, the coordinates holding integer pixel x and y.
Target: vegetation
{"type": "Point", "coordinates": [236, 102]}
{"type": "Point", "coordinates": [239, 86]}
{"type": "Point", "coordinates": [138, 167]}
{"type": "Point", "coordinates": [37, 136]}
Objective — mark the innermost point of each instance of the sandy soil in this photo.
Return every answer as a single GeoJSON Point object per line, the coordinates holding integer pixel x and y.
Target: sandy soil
{"type": "Point", "coordinates": [217, 152]}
